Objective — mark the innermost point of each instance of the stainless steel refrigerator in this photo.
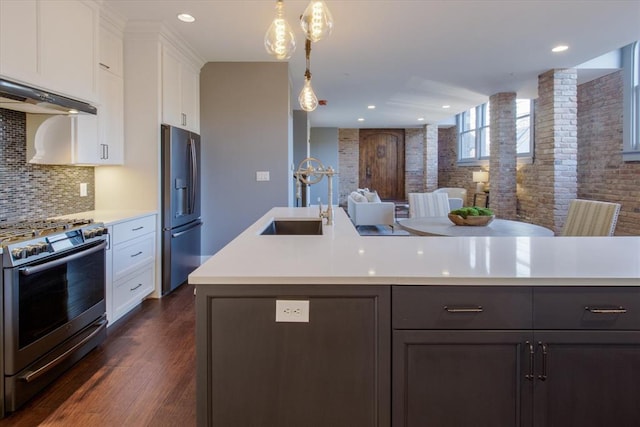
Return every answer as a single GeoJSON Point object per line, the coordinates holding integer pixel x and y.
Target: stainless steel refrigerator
{"type": "Point", "coordinates": [181, 222]}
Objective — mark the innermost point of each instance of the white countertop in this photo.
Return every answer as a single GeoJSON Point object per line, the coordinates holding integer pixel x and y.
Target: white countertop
{"type": "Point", "coordinates": [341, 256]}
{"type": "Point", "coordinates": [109, 217]}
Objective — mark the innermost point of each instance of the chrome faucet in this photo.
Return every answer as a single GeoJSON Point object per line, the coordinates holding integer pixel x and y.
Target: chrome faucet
{"type": "Point", "coordinates": [312, 175]}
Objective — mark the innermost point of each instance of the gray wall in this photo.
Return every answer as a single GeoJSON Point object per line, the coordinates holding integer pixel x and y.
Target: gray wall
{"type": "Point", "coordinates": [245, 127]}
{"type": "Point", "coordinates": [300, 142]}
{"type": "Point", "coordinates": [324, 147]}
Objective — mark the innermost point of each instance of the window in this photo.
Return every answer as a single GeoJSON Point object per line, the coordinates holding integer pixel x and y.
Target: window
{"type": "Point", "coordinates": [631, 101]}
{"type": "Point", "coordinates": [524, 130]}
{"type": "Point", "coordinates": [474, 134]}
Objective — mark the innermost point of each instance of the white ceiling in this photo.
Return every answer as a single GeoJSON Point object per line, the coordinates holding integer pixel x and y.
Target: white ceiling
{"type": "Point", "coordinates": [407, 57]}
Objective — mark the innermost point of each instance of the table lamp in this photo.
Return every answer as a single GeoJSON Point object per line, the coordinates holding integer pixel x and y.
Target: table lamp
{"type": "Point", "coordinates": [480, 178]}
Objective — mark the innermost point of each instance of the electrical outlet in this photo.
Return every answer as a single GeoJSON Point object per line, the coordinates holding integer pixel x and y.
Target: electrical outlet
{"type": "Point", "coordinates": [262, 176]}
{"type": "Point", "coordinates": [292, 311]}
{"type": "Point", "coordinates": [83, 189]}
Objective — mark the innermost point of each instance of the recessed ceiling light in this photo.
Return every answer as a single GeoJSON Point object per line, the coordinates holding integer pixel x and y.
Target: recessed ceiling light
{"type": "Point", "coordinates": [446, 106]}
{"type": "Point", "coordinates": [361, 119]}
{"type": "Point", "coordinates": [185, 17]}
{"type": "Point", "coordinates": [371, 107]}
{"type": "Point", "coordinates": [421, 119]}
{"type": "Point", "coordinates": [560, 48]}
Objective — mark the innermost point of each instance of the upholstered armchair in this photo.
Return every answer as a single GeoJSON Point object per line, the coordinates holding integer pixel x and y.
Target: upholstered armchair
{"type": "Point", "coordinates": [454, 193]}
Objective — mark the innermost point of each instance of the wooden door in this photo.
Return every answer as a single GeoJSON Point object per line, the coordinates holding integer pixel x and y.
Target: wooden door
{"type": "Point", "coordinates": [381, 165]}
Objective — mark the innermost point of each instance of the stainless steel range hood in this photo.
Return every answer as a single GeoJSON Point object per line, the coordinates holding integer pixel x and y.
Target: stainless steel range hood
{"type": "Point", "coordinates": [18, 97]}
{"type": "Point", "coordinates": [58, 129]}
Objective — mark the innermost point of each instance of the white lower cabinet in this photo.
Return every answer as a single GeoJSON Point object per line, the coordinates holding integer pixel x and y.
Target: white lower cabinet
{"type": "Point", "coordinates": [132, 258]}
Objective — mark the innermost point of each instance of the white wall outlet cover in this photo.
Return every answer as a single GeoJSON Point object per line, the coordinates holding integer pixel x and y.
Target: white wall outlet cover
{"type": "Point", "coordinates": [292, 311]}
{"type": "Point", "coordinates": [83, 189]}
{"type": "Point", "coordinates": [262, 176]}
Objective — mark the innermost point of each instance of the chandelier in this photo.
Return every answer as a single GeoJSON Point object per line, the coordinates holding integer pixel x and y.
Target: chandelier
{"type": "Point", "coordinates": [317, 23]}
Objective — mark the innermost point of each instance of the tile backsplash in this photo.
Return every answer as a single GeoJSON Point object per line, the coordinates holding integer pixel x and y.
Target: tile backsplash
{"type": "Point", "coordinates": [36, 191]}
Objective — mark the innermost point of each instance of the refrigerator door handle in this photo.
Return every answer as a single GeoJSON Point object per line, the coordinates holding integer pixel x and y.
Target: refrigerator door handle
{"type": "Point", "coordinates": [194, 175]}
{"type": "Point", "coordinates": [180, 233]}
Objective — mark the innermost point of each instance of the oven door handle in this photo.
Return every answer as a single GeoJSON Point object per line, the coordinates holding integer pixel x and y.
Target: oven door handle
{"type": "Point", "coordinates": [34, 375]}
{"type": "Point", "coordinates": [25, 271]}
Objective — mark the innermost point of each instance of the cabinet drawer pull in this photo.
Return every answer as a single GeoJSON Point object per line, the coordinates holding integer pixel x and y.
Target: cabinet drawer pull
{"type": "Point", "coordinates": [135, 287]}
{"type": "Point", "coordinates": [137, 228]}
{"type": "Point", "coordinates": [475, 309]}
{"type": "Point", "coordinates": [105, 66]}
{"type": "Point", "coordinates": [597, 310]}
{"type": "Point", "coordinates": [136, 254]}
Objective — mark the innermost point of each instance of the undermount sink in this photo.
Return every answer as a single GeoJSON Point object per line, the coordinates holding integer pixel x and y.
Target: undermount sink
{"type": "Point", "coordinates": [293, 226]}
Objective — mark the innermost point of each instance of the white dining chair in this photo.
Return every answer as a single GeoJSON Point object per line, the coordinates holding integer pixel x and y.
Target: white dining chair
{"type": "Point", "coordinates": [428, 204]}
{"type": "Point", "coordinates": [591, 218]}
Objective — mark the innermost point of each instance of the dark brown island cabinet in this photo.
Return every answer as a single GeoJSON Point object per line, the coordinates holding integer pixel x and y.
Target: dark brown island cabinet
{"type": "Point", "coordinates": [333, 370]}
{"type": "Point", "coordinates": [516, 356]}
{"type": "Point", "coordinates": [427, 356]}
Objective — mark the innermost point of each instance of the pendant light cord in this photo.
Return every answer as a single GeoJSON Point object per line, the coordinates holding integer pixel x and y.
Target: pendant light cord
{"type": "Point", "coordinates": [307, 49]}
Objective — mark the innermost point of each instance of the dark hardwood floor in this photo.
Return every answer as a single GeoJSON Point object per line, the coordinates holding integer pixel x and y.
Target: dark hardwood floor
{"type": "Point", "coordinates": [142, 375]}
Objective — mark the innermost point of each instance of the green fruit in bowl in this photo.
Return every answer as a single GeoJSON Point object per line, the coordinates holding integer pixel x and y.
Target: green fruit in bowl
{"type": "Point", "coordinates": [472, 211]}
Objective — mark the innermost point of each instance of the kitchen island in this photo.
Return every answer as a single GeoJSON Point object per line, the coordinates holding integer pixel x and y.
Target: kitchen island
{"type": "Point", "coordinates": [345, 330]}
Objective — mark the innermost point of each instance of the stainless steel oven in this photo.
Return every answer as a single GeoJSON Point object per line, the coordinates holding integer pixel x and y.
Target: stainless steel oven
{"type": "Point", "coordinates": [53, 307]}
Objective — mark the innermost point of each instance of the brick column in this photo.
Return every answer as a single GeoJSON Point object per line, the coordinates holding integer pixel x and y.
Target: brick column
{"type": "Point", "coordinates": [431, 157]}
{"type": "Point", "coordinates": [502, 165]}
{"type": "Point", "coordinates": [348, 163]}
{"type": "Point", "coordinates": [414, 141]}
{"type": "Point", "coordinates": [556, 146]}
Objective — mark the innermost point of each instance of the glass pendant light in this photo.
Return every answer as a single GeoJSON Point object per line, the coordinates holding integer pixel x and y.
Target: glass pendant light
{"type": "Point", "coordinates": [307, 98]}
{"type": "Point", "coordinates": [279, 39]}
{"type": "Point", "coordinates": [316, 21]}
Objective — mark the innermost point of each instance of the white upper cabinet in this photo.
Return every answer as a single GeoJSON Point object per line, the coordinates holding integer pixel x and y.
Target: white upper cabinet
{"type": "Point", "coordinates": [51, 44]}
{"type": "Point", "coordinates": [110, 149]}
{"type": "Point", "coordinates": [19, 40]}
{"type": "Point", "coordinates": [180, 91]}
{"type": "Point", "coordinates": [111, 49]}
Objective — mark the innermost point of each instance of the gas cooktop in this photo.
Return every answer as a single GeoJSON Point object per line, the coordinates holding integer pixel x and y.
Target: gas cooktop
{"type": "Point", "coordinates": [30, 240]}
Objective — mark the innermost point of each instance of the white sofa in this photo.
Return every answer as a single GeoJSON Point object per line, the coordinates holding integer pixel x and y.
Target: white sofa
{"type": "Point", "coordinates": [364, 212]}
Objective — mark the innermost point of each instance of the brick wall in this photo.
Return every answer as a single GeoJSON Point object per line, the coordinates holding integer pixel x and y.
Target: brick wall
{"type": "Point", "coordinates": [414, 140]}
{"type": "Point", "coordinates": [36, 191]}
{"type": "Point", "coordinates": [556, 146]}
{"type": "Point", "coordinates": [348, 161]}
{"type": "Point", "coordinates": [602, 175]}
{"type": "Point", "coordinates": [431, 158]}
{"type": "Point", "coordinates": [502, 164]}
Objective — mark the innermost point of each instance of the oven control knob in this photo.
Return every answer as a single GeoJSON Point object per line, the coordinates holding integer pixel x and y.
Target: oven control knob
{"type": "Point", "coordinates": [89, 234]}
{"type": "Point", "coordinates": [42, 247]}
{"type": "Point", "coordinates": [32, 250]}
{"type": "Point", "coordinates": [17, 253]}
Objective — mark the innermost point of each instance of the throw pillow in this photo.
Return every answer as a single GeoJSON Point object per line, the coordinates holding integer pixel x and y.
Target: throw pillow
{"type": "Point", "coordinates": [358, 197]}
{"type": "Point", "coordinates": [372, 196]}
